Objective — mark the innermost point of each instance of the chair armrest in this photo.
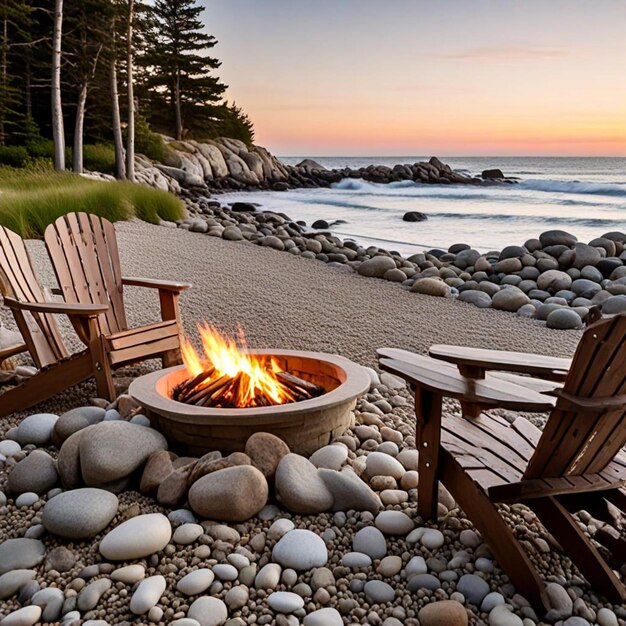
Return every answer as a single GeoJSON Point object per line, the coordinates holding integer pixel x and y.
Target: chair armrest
{"type": "Point", "coordinates": [61, 308]}
{"type": "Point", "coordinates": [527, 363]}
{"type": "Point", "coordinates": [155, 283]}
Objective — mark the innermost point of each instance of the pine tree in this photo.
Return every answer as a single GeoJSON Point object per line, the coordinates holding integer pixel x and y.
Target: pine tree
{"type": "Point", "coordinates": [175, 61]}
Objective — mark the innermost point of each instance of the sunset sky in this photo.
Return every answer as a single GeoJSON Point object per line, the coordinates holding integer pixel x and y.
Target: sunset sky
{"type": "Point", "coordinates": [417, 77]}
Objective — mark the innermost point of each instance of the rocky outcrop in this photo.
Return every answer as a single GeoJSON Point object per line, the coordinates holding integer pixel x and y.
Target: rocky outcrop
{"type": "Point", "coordinates": [230, 164]}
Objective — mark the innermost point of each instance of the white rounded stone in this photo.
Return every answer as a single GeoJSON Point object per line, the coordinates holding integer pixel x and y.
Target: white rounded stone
{"type": "Point", "coordinates": [36, 429]}
{"type": "Point", "coordinates": [137, 537]}
{"type": "Point", "coordinates": [324, 617]}
{"type": "Point", "coordinates": [279, 528]}
{"type": "Point", "coordinates": [208, 611]}
{"type": "Point", "coordinates": [129, 575]}
{"type": "Point", "coordinates": [356, 560]}
{"type": "Point", "coordinates": [381, 464]}
{"type": "Point", "coordinates": [285, 601]}
{"type": "Point", "coordinates": [187, 533]}
{"type": "Point", "coordinates": [224, 571]}
{"type": "Point", "coordinates": [432, 539]}
{"type": "Point", "coordinates": [301, 550]}
{"type": "Point", "coordinates": [394, 523]}
{"type": "Point", "coordinates": [26, 616]}
{"type": "Point", "coordinates": [196, 582]}
{"type": "Point", "coordinates": [147, 594]}
{"type": "Point", "coordinates": [330, 457]}
{"type": "Point", "coordinates": [9, 448]}
{"type": "Point", "coordinates": [268, 577]}
{"type": "Point", "coordinates": [370, 541]}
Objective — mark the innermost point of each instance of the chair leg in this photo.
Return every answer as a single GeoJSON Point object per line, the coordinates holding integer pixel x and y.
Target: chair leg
{"type": "Point", "coordinates": [46, 383]}
{"type": "Point", "coordinates": [496, 532]}
{"type": "Point", "coordinates": [427, 440]}
{"type": "Point", "coordinates": [557, 519]}
{"type": "Point", "coordinates": [170, 310]}
{"type": "Point", "coordinates": [171, 358]}
{"type": "Point", "coordinates": [100, 362]}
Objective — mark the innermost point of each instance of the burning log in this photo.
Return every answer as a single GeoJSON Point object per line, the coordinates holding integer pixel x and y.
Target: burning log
{"type": "Point", "coordinates": [225, 391]}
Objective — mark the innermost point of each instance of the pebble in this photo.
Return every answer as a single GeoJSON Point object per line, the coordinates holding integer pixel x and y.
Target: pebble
{"type": "Point", "coordinates": [80, 513]}
{"type": "Point", "coordinates": [36, 429]}
{"type": "Point", "coordinates": [285, 601]}
{"type": "Point", "coordinates": [37, 472]}
{"type": "Point", "coordinates": [50, 600]}
{"type": "Point", "coordinates": [9, 448]}
{"type": "Point", "coordinates": [187, 533]}
{"type": "Point", "coordinates": [279, 528]}
{"type": "Point", "coordinates": [390, 566]}
{"type": "Point", "coordinates": [225, 572]}
{"type": "Point", "coordinates": [13, 580]}
{"type": "Point", "coordinates": [26, 499]}
{"type": "Point", "coordinates": [423, 581]}
{"type": "Point", "coordinates": [330, 457]}
{"type": "Point", "coordinates": [129, 575]}
{"type": "Point", "coordinates": [606, 617]}
{"type": "Point", "coordinates": [196, 582]}
{"type": "Point", "coordinates": [89, 597]}
{"type": "Point", "coordinates": [208, 611]}
{"type": "Point", "coordinates": [502, 616]}
{"type": "Point", "coordinates": [491, 600]}
{"type": "Point", "coordinates": [381, 464]}
{"type": "Point", "coordinates": [370, 541]}
{"type": "Point", "coordinates": [432, 539]}
{"type": "Point", "coordinates": [137, 537]}
{"type": "Point", "coordinates": [473, 588]}
{"type": "Point", "coordinates": [26, 616]}
{"type": "Point", "coordinates": [417, 565]}
{"type": "Point", "coordinates": [20, 553]}
{"type": "Point", "coordinates": [394, 523]}
{"type": "Point", "coordinates": [356, 560]}
{"type": "Point", "coordinates": [324, 617]}
{"type": "Point", "coordinates": [301, 550]}
{"type": "Point", "coordinates": [268, 577]}
{"type": "Point", "coordinates": [378, 591]}
{"type": "Point", "coordinates": [443, 613]}
{"type": "Point", "coordinates": [147, 594]}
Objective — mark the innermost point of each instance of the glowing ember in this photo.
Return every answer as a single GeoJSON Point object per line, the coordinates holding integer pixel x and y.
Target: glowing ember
{"type": "Point", "coordinates": [227, 376]}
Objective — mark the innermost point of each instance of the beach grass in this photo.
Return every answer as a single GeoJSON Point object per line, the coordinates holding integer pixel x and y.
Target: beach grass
{"type": "Point", "coordinates": [32, 199]}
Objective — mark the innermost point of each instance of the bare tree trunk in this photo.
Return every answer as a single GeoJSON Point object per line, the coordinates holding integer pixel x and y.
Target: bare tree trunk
{"type": "Point", "coordinates": [77, 160]}
{"type": "Point", "coordinates": [57, 110]}
{"type": "Point", "coordinates": [130, 140]}
{"type": "Point", "coordinates": [120, 165]}
{"type": "Point", "coordinates": [5, 46]}
{"type": "Point", "coordinates": [177, 108]}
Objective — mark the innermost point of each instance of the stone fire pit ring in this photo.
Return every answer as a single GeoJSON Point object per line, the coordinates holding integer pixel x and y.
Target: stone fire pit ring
{"type": "Point", "coordinates": [304, 426]}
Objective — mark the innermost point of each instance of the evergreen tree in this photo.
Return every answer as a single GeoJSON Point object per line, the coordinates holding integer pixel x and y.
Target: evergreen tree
{"type": "Point", "coordinates": [175, 62]}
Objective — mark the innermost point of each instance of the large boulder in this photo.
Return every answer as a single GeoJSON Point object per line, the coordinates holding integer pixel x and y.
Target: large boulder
{"type": "Point", "coordinates": [233, 494]}
{"type": "Point", "coordinates": [137, 537]}
{"type": "Point", "coordinates": [509, 299]}
{"type": "Point", "coordinates": [431, 287]}
{"type": "Point", "coordinates": [266, 451]}
{"type": "Point", "coordinates": [554, 280]}
{"type": "Point", "coordinates": [349, 491]}
{"type": "Point", "coordinates": [110, 451]}
{"type": "Point", "coordinates": [585, 255]}
{"type": "Point", "coordinates": [74, 420]}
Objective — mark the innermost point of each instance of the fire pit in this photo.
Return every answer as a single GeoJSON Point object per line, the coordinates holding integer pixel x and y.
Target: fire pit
{"type": "Point", "coordinates": [305, 398]}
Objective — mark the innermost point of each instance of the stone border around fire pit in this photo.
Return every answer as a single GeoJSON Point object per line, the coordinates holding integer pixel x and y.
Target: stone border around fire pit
{"type": "Point", "coordinates": [305, 426]}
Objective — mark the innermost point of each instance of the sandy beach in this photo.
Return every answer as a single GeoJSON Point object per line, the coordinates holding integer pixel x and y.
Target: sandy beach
{"type": "Point", "coordinates": [283, 301]}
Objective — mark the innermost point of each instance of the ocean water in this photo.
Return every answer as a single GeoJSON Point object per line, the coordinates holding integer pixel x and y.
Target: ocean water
{"type": "Point", "coordinates": [585, 196]}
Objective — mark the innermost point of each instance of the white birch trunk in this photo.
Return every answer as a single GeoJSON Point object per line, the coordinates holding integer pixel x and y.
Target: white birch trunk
{"type": "Point", "coordinates": [130, 140]}
{"type": "Point", "coordinates": [58, 134]}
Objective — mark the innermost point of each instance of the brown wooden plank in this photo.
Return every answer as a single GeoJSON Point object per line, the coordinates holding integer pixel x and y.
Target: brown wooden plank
{"type": "Point", "coordinates": [428, 433]}
{"type": "Point", "coordinates": [527, 363]}
{"type": "Point", "coordinates": [557, 519]}
{"type": "Point", "coordinates": [144, 351]}
{"type": "Point", "coordinates": [143, 334]}
{"type": "Point", "coordinates": [497, 534]}
{"type": "Point", "coordinates": [107, 254]}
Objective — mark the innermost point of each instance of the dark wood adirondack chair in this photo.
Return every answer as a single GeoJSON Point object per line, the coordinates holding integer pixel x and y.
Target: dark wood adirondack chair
{"type": "Point", "coordinates": [576, 463]}
{"type": "Point", "coordinates": [36, 319]}
{"type": "Point", "coordinates": [84, 253]}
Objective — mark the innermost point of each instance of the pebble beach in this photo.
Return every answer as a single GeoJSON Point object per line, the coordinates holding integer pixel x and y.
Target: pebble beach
{"type": "Point", "coordinates": [302, 558]}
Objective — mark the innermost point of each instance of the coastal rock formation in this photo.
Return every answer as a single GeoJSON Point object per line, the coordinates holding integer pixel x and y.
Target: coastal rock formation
{"type": "Point", "coordinates": [230, 164]}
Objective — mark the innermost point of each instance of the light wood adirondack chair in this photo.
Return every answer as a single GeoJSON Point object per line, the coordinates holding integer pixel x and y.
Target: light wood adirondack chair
{"type": "Point", "coordinates": [576, 463]}
{"type": "Point", "coordinates": [84, 253]}
{"type": "Point", "coordinates": [35, 318]}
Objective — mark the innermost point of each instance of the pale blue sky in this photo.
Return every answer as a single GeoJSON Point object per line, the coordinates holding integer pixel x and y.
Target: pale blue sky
{"type": "Point", "coordinates": [416, 76]}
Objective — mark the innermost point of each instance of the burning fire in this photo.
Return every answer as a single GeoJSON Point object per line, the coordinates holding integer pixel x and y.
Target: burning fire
{"type": "Point", "coordinates": [233, 377]}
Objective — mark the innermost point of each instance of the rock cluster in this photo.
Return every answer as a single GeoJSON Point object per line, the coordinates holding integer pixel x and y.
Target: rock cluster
{"type": "Point", "coordinates": [126, 559]}
{"type": "Point", "coordinates": [229, 164]}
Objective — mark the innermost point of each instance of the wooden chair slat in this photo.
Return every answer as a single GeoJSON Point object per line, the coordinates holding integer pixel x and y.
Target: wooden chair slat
{"type": "Point", "coordinates": [145, 334]}
{"type": "Point", "coordinates": [144, 351]}
{"type": "Point", "coordinates": [108, 257]}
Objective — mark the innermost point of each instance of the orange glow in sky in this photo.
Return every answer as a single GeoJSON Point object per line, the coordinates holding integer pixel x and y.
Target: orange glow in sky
{"type": "Point", "coordinates": [417, 77]}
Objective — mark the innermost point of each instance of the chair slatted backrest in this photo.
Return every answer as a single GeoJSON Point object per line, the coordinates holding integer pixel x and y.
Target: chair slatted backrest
{"type": "Point", "coordinates": [39, 330]}
{"type": "Point", "coordinates": [586, 440]}
{"type": "Point", "coordinates": [85, 257]}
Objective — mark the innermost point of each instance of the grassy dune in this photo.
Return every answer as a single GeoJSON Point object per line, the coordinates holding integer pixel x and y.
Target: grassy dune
{"type": "Point", "coordinates": [30, 200]}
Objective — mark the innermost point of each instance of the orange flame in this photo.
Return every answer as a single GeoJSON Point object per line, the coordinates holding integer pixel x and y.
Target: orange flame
{"type": "Point", "coordinates": [228, 358]}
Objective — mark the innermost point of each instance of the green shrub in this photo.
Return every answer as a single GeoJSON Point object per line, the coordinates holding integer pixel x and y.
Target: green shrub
{"type": "Point", "coordinates": [30, 200]}
{"type": "Point", "coordinates": [40, 148]}
{"type": "Point", "coordinates": [99, 157]}
{"type": "Point", "coordinates": [14, 156]}
{"type": "Point", "coordinates": [148, 142]}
